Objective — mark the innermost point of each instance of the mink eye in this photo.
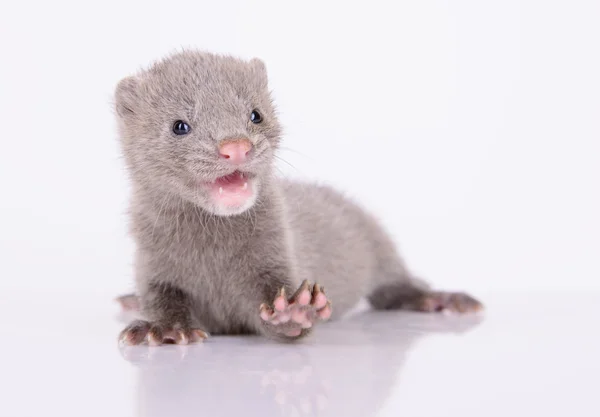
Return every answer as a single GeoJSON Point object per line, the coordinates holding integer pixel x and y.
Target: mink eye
{"type": "Point", "coordinates": [181, 128]}
{"type": "Point", "coordinates": [255, 117]}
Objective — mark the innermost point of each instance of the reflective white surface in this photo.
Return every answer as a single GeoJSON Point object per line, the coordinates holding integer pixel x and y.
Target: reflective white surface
{"type": "Point", "coordinates": [531, 354]}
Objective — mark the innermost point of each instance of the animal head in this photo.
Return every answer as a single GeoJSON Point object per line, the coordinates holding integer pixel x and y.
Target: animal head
{"type": "Point", "coordinates": [202, 126]}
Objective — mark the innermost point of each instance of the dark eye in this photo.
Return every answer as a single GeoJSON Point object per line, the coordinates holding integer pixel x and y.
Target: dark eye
{"type": "Point", "coordinates": [181, 128]}
{"type": "Point", "coordinates": [255, 117]}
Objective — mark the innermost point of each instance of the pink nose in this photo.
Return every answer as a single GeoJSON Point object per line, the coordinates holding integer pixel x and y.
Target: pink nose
{"type": "Point", "coordinates": [236, 151]}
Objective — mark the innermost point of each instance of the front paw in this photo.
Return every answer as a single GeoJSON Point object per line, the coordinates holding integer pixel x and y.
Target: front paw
{"type": "Point", "coordinates": [294, 316]}
{"type": "Point", "coordinates": [155, 334]}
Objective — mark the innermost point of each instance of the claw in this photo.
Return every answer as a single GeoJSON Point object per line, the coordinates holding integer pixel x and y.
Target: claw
{"type": "Point", "coordinates": [154, 340]}
{"type": "Point", "coordinates": [295, 315]}
{"type": "Point", "coordinates": [199, 335]}
{"type": "Point", "coordinates": [319, 300]}
{"type": "Point", "coordinates": [304, 286]}
{"type": "Point", "coordinates": [265, 312]}
{"type": "Point", "coordinates": [181, 338]}
{"type": "Point", "coordinates": [141, 331]}
{"type": "Point", "coordinates": [281, 302]}
{"type": "Point", "coordinates": [302, 295]}
{"type": "Point", "coordinates": [135, 333]}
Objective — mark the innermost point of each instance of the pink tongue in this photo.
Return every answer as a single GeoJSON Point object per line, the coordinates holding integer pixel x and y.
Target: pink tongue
{"type": "Point", "coordinates": [231, 181]}
{"type": "Point", "coordinates": [232, 190]}
{"type": "Point", "coordinates": [235, 178]}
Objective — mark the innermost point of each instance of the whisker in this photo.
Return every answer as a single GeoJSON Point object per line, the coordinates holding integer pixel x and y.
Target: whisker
{"type": "Point", "coordinates": [283, 160]}
{"type": "Point", "coordinates": [284, 148]}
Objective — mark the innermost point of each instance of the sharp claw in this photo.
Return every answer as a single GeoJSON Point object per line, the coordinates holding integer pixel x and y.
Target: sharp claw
{"type": "Point", "coordinates": [305, 286]}
{"type": "Point", "coordinates": [156, 335]}
{"type": "Point", "coordinates": [135, 333]}
{"type": "Point", "coordinates": [319, 300]}
{"type": "Point", "coordinates": [303, 309]}
{"type": "Point", "coordinates": [200, 335]}
{"type": "Point", "coordinates": [303, 295]}
{"type": "Point", "coordinates": [182, 338]}
{"type": "Point", "coordinates": [316, 289]}
{"type": "Point", "coordinates": [153, 341]}
{"type": "Point", "coordinates": [304, 298]}
{"type": "Point", "coordinates": [125, 339]}
{"type": "Point", "coordinates": [280, 302]}
{"type": "Point", "coordinates": [265, 312]}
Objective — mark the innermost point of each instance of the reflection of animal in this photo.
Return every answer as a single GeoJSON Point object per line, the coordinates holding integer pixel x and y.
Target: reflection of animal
{"type": "Point", "coordinates": [345, 370]}
{"type": "Point", "coordinates": [221, 243]}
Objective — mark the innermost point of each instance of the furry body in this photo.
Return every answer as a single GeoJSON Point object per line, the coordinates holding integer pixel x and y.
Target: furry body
{"type": "Point", "coordinates": [207, 263]}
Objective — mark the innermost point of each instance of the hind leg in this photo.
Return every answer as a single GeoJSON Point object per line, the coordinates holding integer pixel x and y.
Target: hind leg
{"type": "Point", "coordinates": [394, 287]}
{"type": "Point", "coordinates": [412, 295]}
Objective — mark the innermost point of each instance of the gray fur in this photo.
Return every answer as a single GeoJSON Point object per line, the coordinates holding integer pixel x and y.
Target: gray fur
{"type": "Point", "coordinates": [198, 265]}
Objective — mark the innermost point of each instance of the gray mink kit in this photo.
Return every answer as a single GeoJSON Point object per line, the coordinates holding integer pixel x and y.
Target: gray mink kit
{"type": "Point", "coordinates": [222, 244]}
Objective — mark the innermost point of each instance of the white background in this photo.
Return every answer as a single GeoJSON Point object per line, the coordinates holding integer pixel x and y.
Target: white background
{"type": "Point", "coordinates": [471, 128]}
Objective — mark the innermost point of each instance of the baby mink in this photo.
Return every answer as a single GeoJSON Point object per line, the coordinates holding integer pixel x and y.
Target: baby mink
{"type": "Point", "coordinates": [222, 245]}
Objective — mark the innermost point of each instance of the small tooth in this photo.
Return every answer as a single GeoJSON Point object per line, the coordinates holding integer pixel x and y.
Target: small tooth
{"type": "Point", "coordinates": [242, 174]}
{"type": "Point", "coordinates": [220, 190]}
{"type": "Point", "coordinates": [245, 185]}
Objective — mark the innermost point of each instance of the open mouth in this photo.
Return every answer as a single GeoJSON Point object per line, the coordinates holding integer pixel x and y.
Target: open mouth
{"type": "Point", "coordinates": [233, 189]}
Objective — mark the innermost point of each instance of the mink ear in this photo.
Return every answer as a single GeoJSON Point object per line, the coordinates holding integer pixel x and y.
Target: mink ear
{"type": "Point", "coordinates": [126, 96]}
{"type": "Point", "coordinates": [258, 65]}
{"type": "Point", "coordinates": [260, 70]}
